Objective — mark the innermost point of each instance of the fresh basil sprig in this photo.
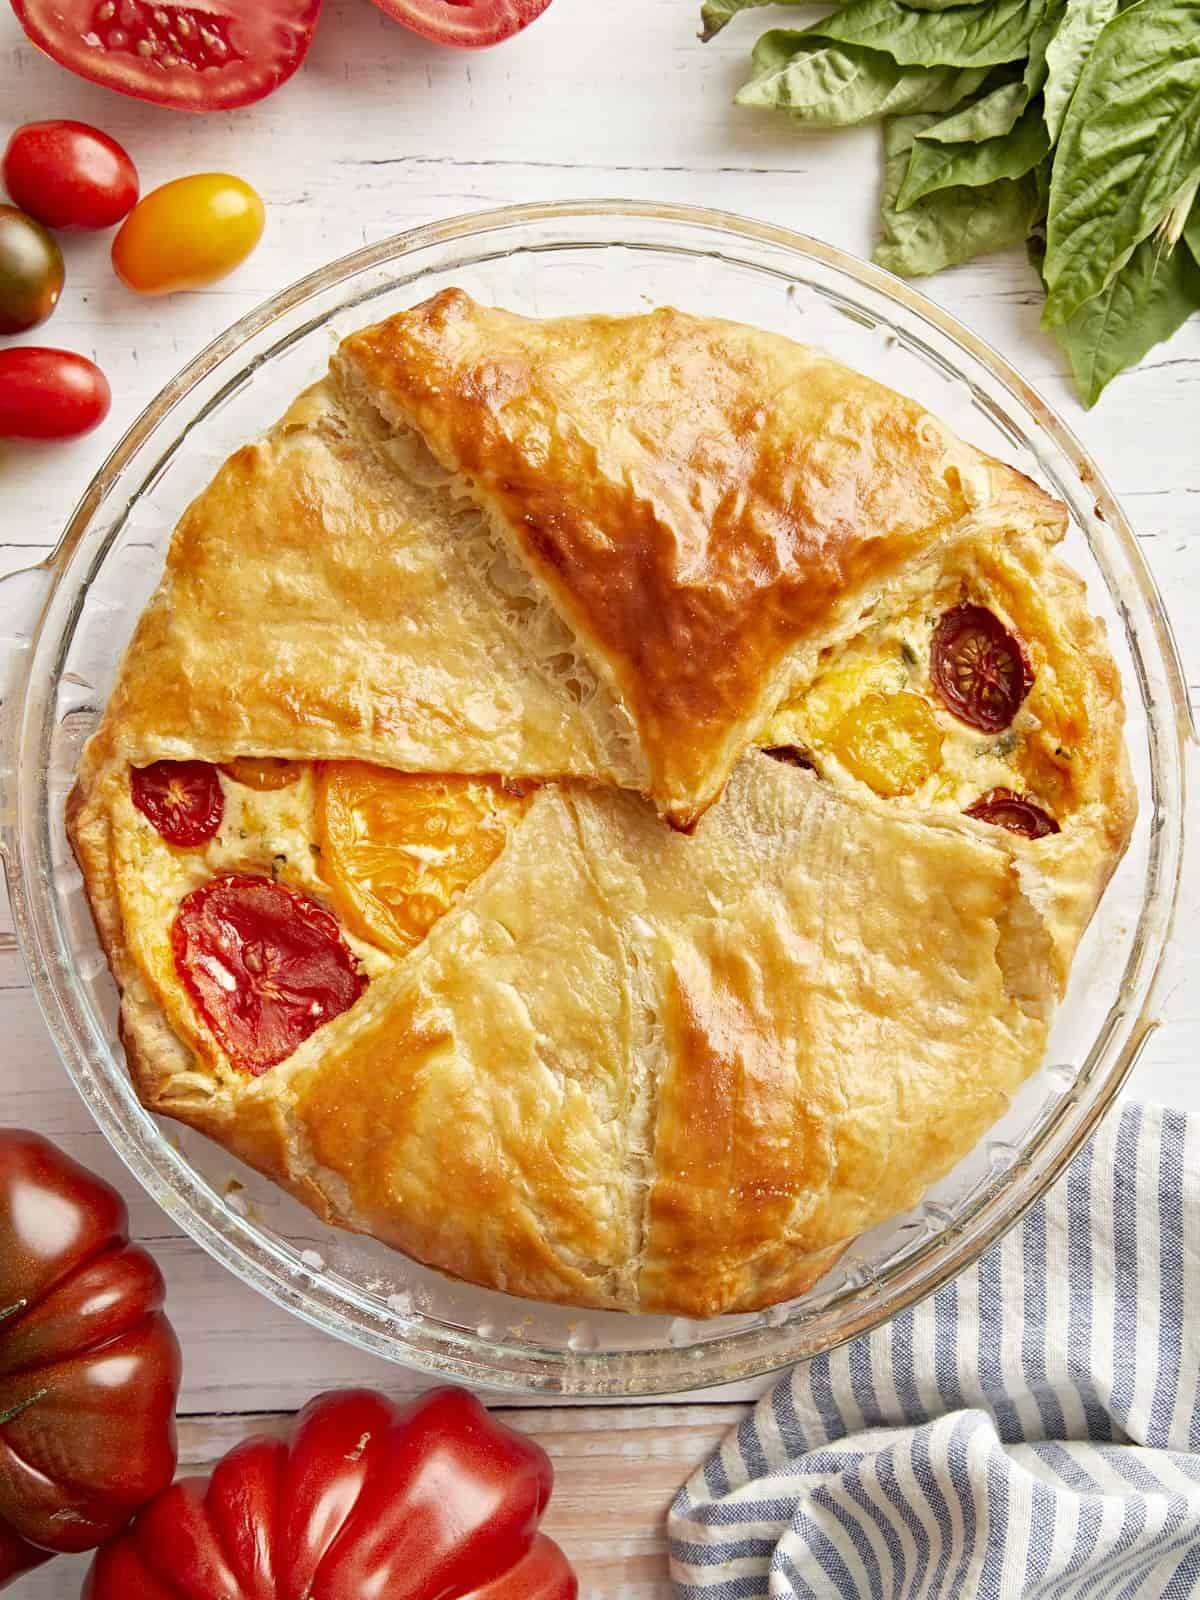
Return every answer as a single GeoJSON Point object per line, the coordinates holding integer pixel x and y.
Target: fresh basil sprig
{"type": "Point", "coordinates": [1128, 150]}
{"type": "Point", "coordinates": [1074, 124]}
{"type": "Point", "coordinates": [985, 34]}
{"type": "Point", "coordinates": [837, 86]}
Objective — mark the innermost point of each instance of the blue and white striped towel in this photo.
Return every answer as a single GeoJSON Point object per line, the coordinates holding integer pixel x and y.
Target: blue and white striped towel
{"type": "Point", "coordinates": [1032, 1429]}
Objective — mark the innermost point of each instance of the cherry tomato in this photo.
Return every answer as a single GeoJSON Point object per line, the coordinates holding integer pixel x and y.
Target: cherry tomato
{"type": "Point", "coordinates": [1004, 809]}
{"type": "Point", "coordinates": [207, 56]}
{"type": "Point", "coordinates": [467, 23]}
{"type": "Point", "coordinates": [69, 175]}
{"type": "Point", "coordinates": [189, 232]}
{"type": "Point", "coordinates": [262, 772]}
{"type": "Point", "coordinates": [265, 965]}
{"type": "Point", "coordinates": [183, 799]}
{"type": "Point", "coordinates": [890, 742]}
{"type": "Point", "coordinates": [50, 394]}
{"type": "Point", "coordinates": [979, 670]}
{"type": "Point", "coordinates": [31, 272]}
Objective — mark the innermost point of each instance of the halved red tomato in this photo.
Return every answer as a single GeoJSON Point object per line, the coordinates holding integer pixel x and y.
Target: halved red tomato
{"type": "Point", "coordinates": [265, 965]}
{"type": "Point", "coordinates": [466, 23]}
{"type": "Point", "coordinates": [208, 55]}
{"type": "Point", "coordinates": [1003, 808]}
{"type": "Point", "coordinates": [979, 669]}
{"type": "Point", "coordinates": [183, 799]}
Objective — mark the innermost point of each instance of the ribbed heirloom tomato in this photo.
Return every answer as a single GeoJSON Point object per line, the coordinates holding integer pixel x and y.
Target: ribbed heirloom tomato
{"type": "Point", "coordinates": [365, 1500]}
{"type": "Point", "coordinates": [89, 1367]}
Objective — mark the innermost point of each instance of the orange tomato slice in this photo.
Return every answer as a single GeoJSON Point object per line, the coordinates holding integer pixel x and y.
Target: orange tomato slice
{"type": "Point", "coordinates": [889, 741]}
{"type": "Point", "coordinates": [262, 772]}
{"type": "Point", "coordinates": [398, 848]}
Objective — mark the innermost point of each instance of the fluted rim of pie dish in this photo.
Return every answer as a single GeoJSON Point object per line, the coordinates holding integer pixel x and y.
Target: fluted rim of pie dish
{"type": "Point", "coordinates": [515, 1364]}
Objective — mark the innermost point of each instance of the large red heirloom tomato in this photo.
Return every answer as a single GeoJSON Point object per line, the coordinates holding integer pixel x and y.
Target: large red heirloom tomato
{"type": "Point", "coordinates": [467, 23]}
{"type": "Point", "coordinates": [365, 1500]}
{"type": "Point", "coordinates": [89, 1367]}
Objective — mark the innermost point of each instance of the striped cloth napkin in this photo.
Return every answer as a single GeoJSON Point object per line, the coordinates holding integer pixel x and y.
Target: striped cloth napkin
{"type": "Point", "coordinates": [1032, 1429]}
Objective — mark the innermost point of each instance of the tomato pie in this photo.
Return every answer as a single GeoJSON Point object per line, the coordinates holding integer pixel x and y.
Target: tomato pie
{"type": "Point", "coordinates": [605, 805]}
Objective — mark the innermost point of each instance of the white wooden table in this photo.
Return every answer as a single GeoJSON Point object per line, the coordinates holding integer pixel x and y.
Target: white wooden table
{"type": "Point", "coordinates": [380, 132]}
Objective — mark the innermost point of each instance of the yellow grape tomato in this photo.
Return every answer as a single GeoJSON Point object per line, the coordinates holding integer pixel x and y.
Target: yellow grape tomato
{"type": "Point", "coordinates": [890, 742]}
{"type": "Point", "coordinates": [189, 232]}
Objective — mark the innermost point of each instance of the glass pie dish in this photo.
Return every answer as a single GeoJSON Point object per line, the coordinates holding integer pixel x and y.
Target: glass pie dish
{"type": "Point", "coordinates": [80, 606]}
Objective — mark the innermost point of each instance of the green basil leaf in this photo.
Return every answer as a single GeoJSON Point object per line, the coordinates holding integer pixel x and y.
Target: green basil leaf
{"type": "Point", "coordinates": [1153, 294]}
{"type": "Point", "coordinates": [1129, 147]}
{"type": "Point", "coordinates": [715, 14]}
{"type": "Point", "coordinates": [1077, 33]}
{"type": "Point", "coordinates": [990, 115]}
{"type": "Point", "coordinates": [994, 112]}
{"type": "Point", "coordinates": [985, 34]}
{"type": "Point", "coordinates": [952, 225]}
{"type": "Point", "coordinates": [1036, 69]}
{"type": "Point", "coordinates": [942, 166]}
{"type": "Point", "coordinates": [838, 86]}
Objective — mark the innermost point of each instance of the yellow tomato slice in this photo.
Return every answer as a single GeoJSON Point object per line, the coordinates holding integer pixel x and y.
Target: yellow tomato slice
{"type": "Point", "coordinates": [889, 741]}
{"type": "Point", "coordinates": [262, 772]}
{"type": "Point", "coordinates": [398, 848]}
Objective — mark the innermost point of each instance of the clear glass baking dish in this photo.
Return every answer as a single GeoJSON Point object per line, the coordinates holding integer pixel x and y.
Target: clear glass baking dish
{"type": "Point", "coordinates": [81, 605]}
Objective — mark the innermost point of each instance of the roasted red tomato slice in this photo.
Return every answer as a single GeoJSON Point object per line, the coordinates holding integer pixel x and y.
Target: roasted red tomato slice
{"type": "Point", "coordinates": [467, 23]}
{"type": "Point", "coordinates": [183, 800]}
{"type": "Point", "coordinates": [265, 965]}
{"type": "Point", "coordinates": [979, 670]}
{"type": "Point", "coordinates": [209, 55]}
{"type": "Point", "coordinates": [1003, 808]}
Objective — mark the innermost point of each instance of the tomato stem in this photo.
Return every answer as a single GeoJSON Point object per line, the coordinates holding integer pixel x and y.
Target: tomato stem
{"type": "Point", "coordinates": [22, 1405]}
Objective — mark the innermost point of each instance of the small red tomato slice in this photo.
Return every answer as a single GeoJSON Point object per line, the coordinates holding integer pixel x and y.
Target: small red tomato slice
{"type": "Point", "coordinates": [265, 965]}
{"type": "Point", "coordinates": [50, 394]}
{"type": "Point", "coordinates": [979, 670]}
{"type": "Point", "coordinates": [211, 55]}
{"type": "Point", "coordinates": [469, 24]}
{"type": "Point", "coordinates": [183, 799]}
{"type": "Point", "coordinates": [1004, 808]}
{"type": "Point", "coordinates": [69, 175]}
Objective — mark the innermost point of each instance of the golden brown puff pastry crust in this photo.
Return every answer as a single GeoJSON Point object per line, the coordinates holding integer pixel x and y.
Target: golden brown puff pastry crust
{"type": "Point", "coordinates": [700, 498]}
{"type": "Point", "coordinates": [630, 1067]}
